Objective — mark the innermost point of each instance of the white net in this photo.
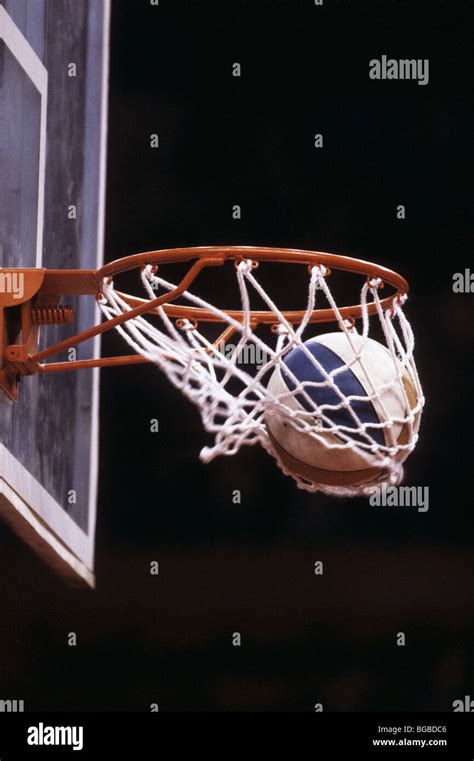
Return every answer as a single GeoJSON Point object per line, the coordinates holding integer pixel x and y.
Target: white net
{"type": "Point", "coordinates": [229, 382]}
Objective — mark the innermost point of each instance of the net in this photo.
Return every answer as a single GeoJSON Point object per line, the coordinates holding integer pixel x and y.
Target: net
{"type": "Point", "coordinates": [232, 394]}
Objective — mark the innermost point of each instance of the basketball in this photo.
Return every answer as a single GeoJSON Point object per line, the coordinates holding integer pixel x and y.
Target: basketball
{"type": "Point", "coordinates": [360, 367]}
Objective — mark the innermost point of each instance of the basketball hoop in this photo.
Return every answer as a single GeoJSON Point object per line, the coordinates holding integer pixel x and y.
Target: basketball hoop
{"type": "Point", "coordinates": [239, 406]}
{"type": "Point", "coordinates": [236, 405]}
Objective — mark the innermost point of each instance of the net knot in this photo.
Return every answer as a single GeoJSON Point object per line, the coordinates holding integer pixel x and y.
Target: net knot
{"type": "Point", "coordinates": [375, 282]}
{"type": "Point", "coordinates": [184, 323]}
{"type": "Point", "coordinates": [280, 329]}
{"type": "Point", "coordinates": [245, 265]}
{"type": "Point", "coordinates": [320, 270]}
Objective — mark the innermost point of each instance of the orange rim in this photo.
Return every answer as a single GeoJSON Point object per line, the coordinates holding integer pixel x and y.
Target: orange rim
{"type": "Point", "coordinates": [217, 255]}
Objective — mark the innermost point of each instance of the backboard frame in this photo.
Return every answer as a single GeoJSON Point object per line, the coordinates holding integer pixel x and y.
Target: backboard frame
{"type": "Point", "coordinates": [33, 513]}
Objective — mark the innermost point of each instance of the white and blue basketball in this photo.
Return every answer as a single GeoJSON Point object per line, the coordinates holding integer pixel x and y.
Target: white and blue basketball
{"type": "Point", "coordinates": [374, 371]}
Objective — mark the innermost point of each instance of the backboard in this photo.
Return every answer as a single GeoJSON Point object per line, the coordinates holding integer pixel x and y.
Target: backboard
{"type": "Point", "coordinates": [53, 104]}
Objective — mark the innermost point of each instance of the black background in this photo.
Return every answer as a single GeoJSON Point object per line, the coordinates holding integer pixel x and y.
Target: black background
{"type": "Point", "coordinates": [249, 568]}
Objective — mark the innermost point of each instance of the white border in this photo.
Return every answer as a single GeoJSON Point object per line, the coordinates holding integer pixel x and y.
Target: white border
{"type": "Point", "coordinates": [94, 451]}
{"type": "Point", "coordinates": [39, 501]}
{"type": "Point", "coordinates": [38, 522]}
{"type": "Point", "coordinates": [34, 69]}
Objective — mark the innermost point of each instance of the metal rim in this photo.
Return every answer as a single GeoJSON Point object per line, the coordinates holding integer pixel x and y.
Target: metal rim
{"type": "Point", "coordinates": [25, 359]}
{"type": "Point", "coordinates": [208, 256]}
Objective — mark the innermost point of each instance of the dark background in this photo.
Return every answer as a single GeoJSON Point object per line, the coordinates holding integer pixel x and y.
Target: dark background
{"type": "Point", "coordinates": [249, 568]}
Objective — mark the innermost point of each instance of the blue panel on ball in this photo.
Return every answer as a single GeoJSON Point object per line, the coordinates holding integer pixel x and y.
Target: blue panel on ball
{"type": "Point", "coordinates": [303, 369]}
